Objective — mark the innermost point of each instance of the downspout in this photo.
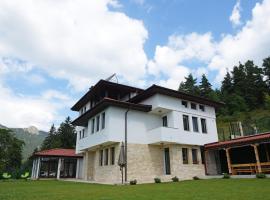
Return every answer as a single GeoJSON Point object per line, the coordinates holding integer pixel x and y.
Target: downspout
{"type": "Point", "coordinates": [126, 144]}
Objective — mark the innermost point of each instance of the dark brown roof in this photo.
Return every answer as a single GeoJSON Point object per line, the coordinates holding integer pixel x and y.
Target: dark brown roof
{"type": "Point", "coordinates": [154, 89]}
{"type": "Point", "coordinates": [101, 86]}
{"type": "Point", "coordinates": [83, 119]}
{"type": "Point", "coordinates": [246, 140]}
{"type": "Point", "coordinates": [58, 153]}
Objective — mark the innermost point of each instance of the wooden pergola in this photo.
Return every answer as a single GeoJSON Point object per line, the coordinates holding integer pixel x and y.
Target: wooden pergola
{"type": "Point", "coordinates": [55, 163]}
{"type": "Point", "coordinates": [244, 155]}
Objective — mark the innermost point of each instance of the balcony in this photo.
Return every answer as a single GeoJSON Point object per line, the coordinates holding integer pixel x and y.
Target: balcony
{"type": "Point", "coordinates": [92, 141]}
{"type": "Point", "coordinates": [169, 135]}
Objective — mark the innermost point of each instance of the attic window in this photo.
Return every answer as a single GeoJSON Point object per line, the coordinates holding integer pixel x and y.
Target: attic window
{"type": "Point", "coordinates": [202, 108]}
{"type": "Point", "coordinates": [193, 106]}
{"type": "Point", "coordinates": [185, 103]}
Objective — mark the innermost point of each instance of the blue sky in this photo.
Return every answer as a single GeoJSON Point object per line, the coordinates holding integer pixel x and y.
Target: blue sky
{"type": "Point", "coordinates": [47, 62]}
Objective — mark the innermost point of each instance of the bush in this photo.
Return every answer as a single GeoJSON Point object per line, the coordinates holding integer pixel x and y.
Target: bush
{"type": "Point", "coordinates": [133, 182]}
{"type": "Point", "coordinates": [260, 175]}
{"type": "Point", "coordinates": [196, 178]}
{"type": "Point", "coordinates": [226, 176]}
{"type": "Point", "coordinates": [157, 180]}
{"type": "Point", "coordinates": [175, 179]}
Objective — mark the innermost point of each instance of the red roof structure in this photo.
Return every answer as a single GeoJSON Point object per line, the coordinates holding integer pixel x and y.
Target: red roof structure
{"type": "Point", "coordinates": [246, 140]}
{"type": "Point", "coordinates": [58, 153]}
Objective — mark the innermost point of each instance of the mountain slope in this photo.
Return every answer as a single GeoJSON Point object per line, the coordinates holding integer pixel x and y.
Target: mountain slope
{"type": "Point", "coordinates": [31, 136]}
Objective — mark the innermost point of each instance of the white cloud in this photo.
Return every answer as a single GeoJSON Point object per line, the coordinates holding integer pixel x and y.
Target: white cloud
{"type": "Point", "coordinates": [23, 111]}
{"type": "Point", "coordinates": [168, 60]}
{"type": "Point", "coordinates": [81, 41]}
{"type": "Point", "coordinates": [235, 17]}
{"type": "Point", "coordinates": [252, 41]}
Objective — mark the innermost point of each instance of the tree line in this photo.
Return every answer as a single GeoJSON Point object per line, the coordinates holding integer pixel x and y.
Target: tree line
{"type": "Point", "coordinates": [11, 147]}
{"type": "Point", "coordinates": [245, 88]}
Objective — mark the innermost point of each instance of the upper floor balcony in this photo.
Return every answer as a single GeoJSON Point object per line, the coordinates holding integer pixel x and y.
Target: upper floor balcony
{"type": "Point", "coordinates": [168, 135]}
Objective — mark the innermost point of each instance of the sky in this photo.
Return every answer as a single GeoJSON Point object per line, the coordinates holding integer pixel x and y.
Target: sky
{"type": "Point", "coordinates": [52, 52]}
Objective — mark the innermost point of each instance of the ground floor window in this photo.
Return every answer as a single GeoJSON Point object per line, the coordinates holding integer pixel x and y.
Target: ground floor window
{"type": "Point", "coordinates": [106, 162]}
{"type": "Point", "coordinates": [112, 155]}
{"type": "Point", "coordinates": [185, 155]}
{"type": "Point", "coordinates": [101, 157]}
{"type": "Point", "coordinates": [167, 161]}
{"type": "Point", "coordinates": [195, 156]}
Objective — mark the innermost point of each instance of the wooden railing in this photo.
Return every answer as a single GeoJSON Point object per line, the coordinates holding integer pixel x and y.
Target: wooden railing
{"type": "Point", "coordinates": [250, 168]}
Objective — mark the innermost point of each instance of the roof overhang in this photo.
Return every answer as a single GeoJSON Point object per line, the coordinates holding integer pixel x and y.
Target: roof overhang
{"type": "Point", "coordinates": [102, 85]}
{"type": "Point", "coordinates": [241, 141]}
{"type": "Point", "coordinates": [70, 153]}
{"type": "Point", "coordinates": [155, 89]}
{"type": "Point", "coordinates": [106, 102]}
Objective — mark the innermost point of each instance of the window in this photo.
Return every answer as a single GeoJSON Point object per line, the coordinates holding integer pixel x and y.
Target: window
{"type": "Point", "coordinates": [185, 155]}
{"type": "Point", "coordinates": [106, 159]}
{"type": "Point", "coordinates": [193, 106]}
{"type": "Point", "coordinates": [202, 108]}
{"type": "Point", "coordinates": [186, 122]}
{"type": "Point", "coordinates": [103, 120]}
{"type": "Point", "coordinates": [83, 132]}
{"type": "Point", "coordinates": [112, 155]}
{"type": "Point", "coordinates": [97, 123]}
{"type": "Point", "coordinates": [195, 124]}
{"type": "Point", "coordinates": [195, 156]}
{"type": "Point", "coordinates": [93, 125]}
{"type": "Point", "coordinates": [80, 134]}
{"type": "Point", "coordinates": [101, 157]}
{"type": "Point", "coordinates": [185, 104]}
{"type": "Point", "coordinates": [165, 121]}
{"type": "Point", "coordinates": [84, 109]}
{"type": "Point", "coordinates": [202, 154]}
{"type": "Point", "coordinates": [203, 123]}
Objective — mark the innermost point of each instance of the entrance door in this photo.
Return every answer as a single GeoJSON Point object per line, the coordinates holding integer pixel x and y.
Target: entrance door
{"type": "Point", "coordinates": [167, 161]}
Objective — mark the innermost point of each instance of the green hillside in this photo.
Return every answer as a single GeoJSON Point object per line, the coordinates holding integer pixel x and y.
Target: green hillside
{"type": "Point", "coordinates": [256, 120]}
{"type": "Point", "coordinates": [31, 136]}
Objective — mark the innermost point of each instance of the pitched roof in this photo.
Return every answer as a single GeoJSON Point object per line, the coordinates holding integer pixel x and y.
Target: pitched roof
{"type": "Point", "coordinates": [106, 102]}
{"type": "Point", "coordinates": [246, 140]}
{"type": "Point", "coordinates": [155, 89]}
{"type": "Point", "coordinates": [58, 153]}
{"type": "Point", "coordinates": [100, 86]}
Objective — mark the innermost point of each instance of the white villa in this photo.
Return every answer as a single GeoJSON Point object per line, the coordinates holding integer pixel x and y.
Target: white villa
{"type": "Point", "coordinates": [165, 133]}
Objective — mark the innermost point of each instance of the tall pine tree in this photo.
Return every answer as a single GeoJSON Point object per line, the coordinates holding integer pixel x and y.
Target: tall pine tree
{"type": "Point", "coordinates": [189, 85]}
{"type": "Point", "coordinates": [266, 70]}
{"type": "Point", "coordinates": [205, 87]}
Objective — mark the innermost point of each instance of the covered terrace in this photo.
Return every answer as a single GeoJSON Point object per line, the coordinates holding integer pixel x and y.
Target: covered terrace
{"type": "Point", "coordinates": [243, 155]}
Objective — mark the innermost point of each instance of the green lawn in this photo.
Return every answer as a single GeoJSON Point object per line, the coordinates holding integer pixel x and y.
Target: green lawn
{"type": "Point", "coordinates": [230, 189]}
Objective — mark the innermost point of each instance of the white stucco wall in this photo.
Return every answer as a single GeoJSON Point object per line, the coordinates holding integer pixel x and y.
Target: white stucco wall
{"type": "Point", "coordinates": [146, 128]}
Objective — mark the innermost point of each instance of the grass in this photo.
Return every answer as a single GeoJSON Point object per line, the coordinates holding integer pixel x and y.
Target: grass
{"type": "Point", "coordinates": [195, 190]}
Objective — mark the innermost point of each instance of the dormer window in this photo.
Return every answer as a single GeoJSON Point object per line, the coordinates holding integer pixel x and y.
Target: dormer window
{"type": "Point", "coordinates": [193, 106]}
{"type": "Point", "coordinates": [202, 108]}
{"type": "Point", "coordinates": [185, 104]}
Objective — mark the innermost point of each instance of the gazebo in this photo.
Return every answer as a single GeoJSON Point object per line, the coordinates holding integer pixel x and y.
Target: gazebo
{"type": "Point", "coordinates": [243, 155]}
{"type": "Point", "coordinates": [56, 163]}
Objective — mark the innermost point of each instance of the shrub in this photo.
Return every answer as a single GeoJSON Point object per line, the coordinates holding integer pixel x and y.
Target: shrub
{"type": "Point", "coordinates": [226, 176]}
{"type": "Point", "coordinates": [196, 178]}
{"type": "Point", "coordinates": [175, 179]}
{"type": "Point", "coordinates": [260, 175]}
{"type": "Point", "coordinates": [157, 180]}
{"type": "Point", "coordinates": [133, 182]}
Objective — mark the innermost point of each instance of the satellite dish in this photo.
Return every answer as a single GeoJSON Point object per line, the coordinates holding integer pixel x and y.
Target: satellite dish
{"type": "Point", "coordinates": [110, 78]}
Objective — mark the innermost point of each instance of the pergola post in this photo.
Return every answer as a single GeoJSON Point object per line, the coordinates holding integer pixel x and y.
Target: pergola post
{"type": "Point", "coordinates": [257, 158]}
{"type": "Point", "coordinates": [38, 168]}
{"type": "Point", "coordinates": [59, 167]}
{"type": "Point", "coordinates": [77, 168]}
{"type": "Point", "coordinates": [33, 174]}
{"type": "Point", "coordinates": [229, 160]}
